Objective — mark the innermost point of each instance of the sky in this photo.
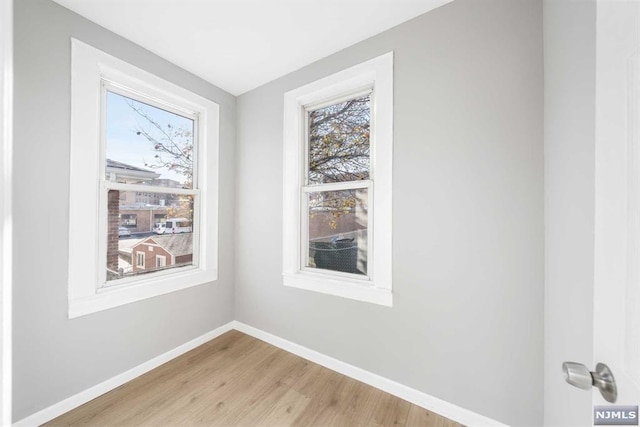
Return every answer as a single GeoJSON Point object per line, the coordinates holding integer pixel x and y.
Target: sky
{"type": "Point", "coordinates": [122, 124]}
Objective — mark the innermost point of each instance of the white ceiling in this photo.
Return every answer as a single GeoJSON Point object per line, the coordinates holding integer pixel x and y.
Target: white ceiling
{"type": "Point", "coordinates": [239, 45]}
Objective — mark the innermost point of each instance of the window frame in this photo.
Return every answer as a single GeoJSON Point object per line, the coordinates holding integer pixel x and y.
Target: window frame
{"type": "Point", "coordinates": [90, 68]}
{"type": "Point", "coordinates": [141, 256]}
{"type": "Point", "coordinates": [161, 258]}
{"type": "Point", "coordinates": [308, 189]}
{"type": "Point", "coordinates": [146, 189]}
{"type": "Point", "coordinates": [135, 218]}
{"type": "Point", "coordinates": [375, 75]}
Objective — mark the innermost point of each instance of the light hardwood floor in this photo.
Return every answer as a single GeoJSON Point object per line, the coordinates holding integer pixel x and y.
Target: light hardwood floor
{"type": "Point", "coordinates": [237, 380]}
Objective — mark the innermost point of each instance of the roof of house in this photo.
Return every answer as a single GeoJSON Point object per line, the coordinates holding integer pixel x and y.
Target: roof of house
{"type": "Point", "coordinates": [124, 166]}
{"type": "Point", "coordinates": [129, 173]}
{"type": "Point", "coordinates": [175, 244]}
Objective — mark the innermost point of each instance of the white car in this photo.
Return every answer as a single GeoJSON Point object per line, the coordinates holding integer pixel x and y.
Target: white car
{"type": "Point", "coordinates": [173, 226]}
{"type": "Point", "coordinates": [159, 228]}
{"type": "Point", "coordinates": [123, 231]}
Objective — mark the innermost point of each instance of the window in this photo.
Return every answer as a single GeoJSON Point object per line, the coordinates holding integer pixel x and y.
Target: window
{"type": "Point", "coordinates": [140, 259]}
{"type": "Point", "coordinates": [152, 146]}
{"type": "Point", "coordinates": [161, 261]}
{"type": "Point", "coordinates": [129, 220]}
{"type": "Point", "coordinates": [145, 143]}
{"type": "Point", "coordinates": [338, 158]}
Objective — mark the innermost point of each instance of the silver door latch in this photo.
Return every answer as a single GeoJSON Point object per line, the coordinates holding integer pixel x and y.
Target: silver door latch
{"type": "Point", "coordinates": [579, 376]}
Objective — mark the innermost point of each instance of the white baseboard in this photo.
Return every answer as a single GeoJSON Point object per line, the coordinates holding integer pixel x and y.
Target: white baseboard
{"type": "Point", "coordinates": [83, 397]}
{"type": "Point", "coordinates": [446, 409]}
{"type": "Point", "coordinates": [433, 404]}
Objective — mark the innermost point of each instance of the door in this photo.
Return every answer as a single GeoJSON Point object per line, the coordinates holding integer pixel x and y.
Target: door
{"type": "Point", "coordinates": [616, 308]}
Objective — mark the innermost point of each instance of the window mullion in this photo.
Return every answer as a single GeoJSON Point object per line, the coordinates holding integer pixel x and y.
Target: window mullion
{"type": "Point", "coordinates": [110, 185]}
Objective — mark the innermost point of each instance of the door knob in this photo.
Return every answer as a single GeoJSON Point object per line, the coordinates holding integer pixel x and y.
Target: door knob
{"type": "Point", "coordinates": [579, 376]}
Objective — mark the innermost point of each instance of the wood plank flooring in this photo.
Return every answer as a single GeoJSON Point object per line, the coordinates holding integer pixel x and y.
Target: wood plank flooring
{"type": "Point", "coordinates": [237, 380]}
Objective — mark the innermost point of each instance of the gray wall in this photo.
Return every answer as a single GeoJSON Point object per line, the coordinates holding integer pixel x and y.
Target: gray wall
{"type": "Point", "coordinates": [569, 101]}
{"type": "Point", "coordinates": [54, 357]}
{"type": "Point", "coordinates": [467, 320]}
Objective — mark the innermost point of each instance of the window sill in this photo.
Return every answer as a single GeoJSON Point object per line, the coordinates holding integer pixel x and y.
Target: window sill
{"type": "Point", "coordinates": [347, 288]}
{"type": "Point", "coordinates": [110, 297]}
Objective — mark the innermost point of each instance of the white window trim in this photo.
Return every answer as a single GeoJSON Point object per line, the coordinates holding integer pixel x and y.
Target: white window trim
{"type": "Point", "coordinates": [141, 256]}
{"type": "Point", "coordinates": [90, 67]}
{"type": "Point", "coordinates": [160, 258]}
{"type": "Point", "coordinates": [377, 73]}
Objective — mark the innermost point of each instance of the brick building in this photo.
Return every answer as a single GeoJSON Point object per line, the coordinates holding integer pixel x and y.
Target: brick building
{"type": "Point", "coordinates": [148, 198]}
{"type": "Point", "coordinates": [141, 219]}
{"type": "Point", "coordinates": [158, 252]}
{"type": "Point", "coordinates": [123, 173]}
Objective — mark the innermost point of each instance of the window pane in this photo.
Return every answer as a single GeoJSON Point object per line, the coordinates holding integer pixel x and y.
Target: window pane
{"type": "Point", "coordinates": [338, 231]}
{"type": "Point", "coordinates": [144, 238]}
{"type": "Point", "coordinates": [339, 142]}
{"type": "Point", "coordinates": [147, 145]}
{"type": "Point", "coordinates": [129, 220]}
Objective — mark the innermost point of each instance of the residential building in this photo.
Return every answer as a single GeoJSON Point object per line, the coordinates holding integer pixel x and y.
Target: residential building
{"type": "Point", "coordinates": [158, 252]}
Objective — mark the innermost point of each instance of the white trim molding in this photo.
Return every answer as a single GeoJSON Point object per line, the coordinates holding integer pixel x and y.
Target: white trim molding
{"type": "Point", "coordinates": [6, 227]}
{"type": "Point", "coordinates": [92, 71]}
{"type": "Point", "coordinates": [375, 77]}
{"type": "Point", "coordinates": [426, 401]}
{"type": "Point", "coordinates": [91, 393]}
